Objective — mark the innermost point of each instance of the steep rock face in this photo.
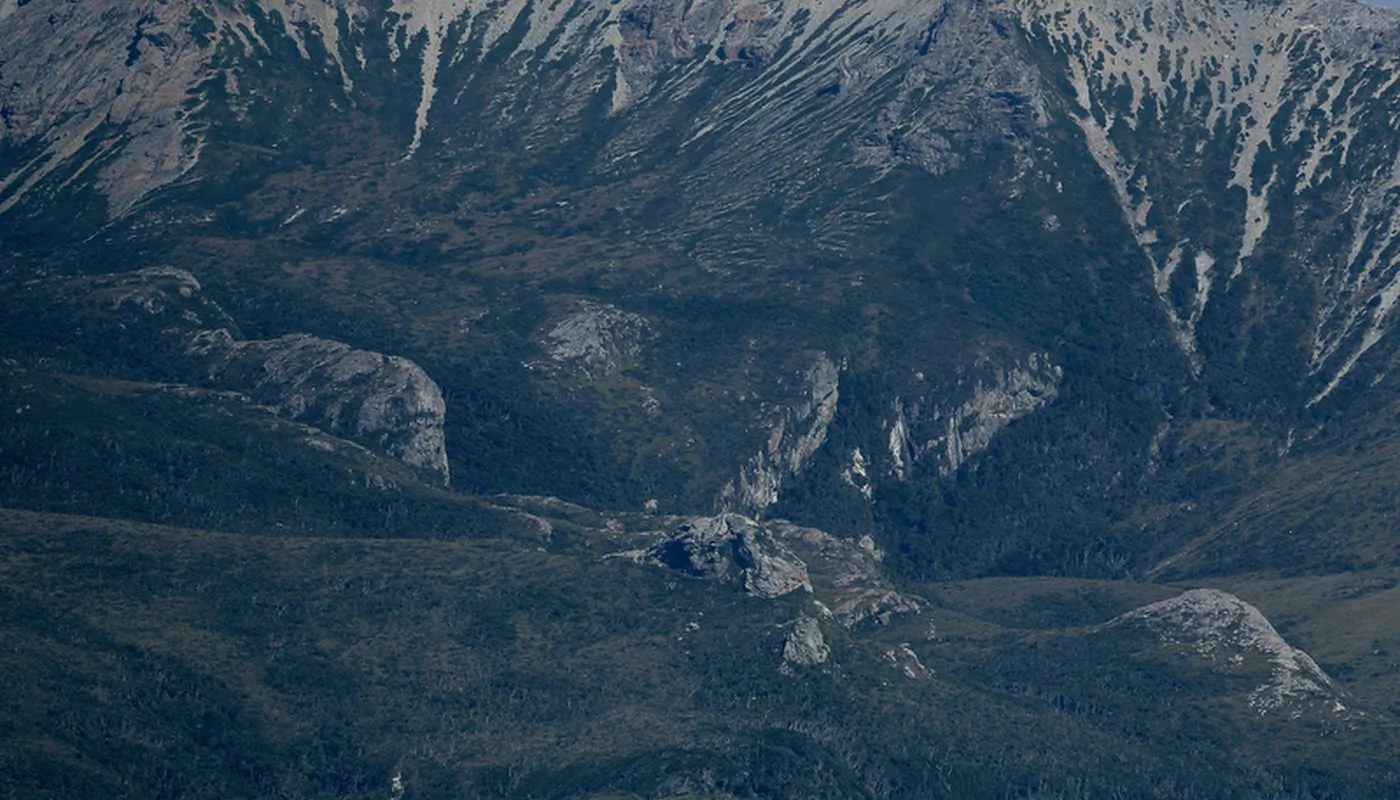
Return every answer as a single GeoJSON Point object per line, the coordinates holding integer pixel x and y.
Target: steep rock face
{"type": "Point", "coordinates": [80, 78]}
{"type": "Point", "coordinates": [804, 644]}
{"type": "Point", "coordinates": [792, 440]}
{"type": "Point", "coordinates": [1226, 630]}
{"type": "Point", "coordinates": [992, 396]}
{"type": "Point", "coordinates": [387, 402]}
{"type": "Point", "coordinates": [858, 474]}
{"type": "Point", "coordinates": [113, 91]}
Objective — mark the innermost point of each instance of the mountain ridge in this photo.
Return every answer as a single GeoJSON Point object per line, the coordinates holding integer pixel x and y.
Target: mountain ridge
{"type": "Point", "coordinates": [766, 162]}
{"type": "Point", "coordinates": [840, 399]}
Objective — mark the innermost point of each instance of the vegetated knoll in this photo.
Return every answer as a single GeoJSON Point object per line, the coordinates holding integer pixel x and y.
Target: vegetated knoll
{"type": "Point", "coordinates": [1345, 621]}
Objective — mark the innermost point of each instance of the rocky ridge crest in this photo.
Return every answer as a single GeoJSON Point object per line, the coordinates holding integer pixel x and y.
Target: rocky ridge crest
{"type": "Point", "coordinates": [385, 402]}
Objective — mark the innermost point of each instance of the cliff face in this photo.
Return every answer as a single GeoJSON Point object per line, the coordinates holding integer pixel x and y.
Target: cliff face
{"type": "Point", "coordinates": [985, 398]}
{"type": "Point", "coordinates": [106, 93]}
{"type": "Point", "coordinates": [796, 434]}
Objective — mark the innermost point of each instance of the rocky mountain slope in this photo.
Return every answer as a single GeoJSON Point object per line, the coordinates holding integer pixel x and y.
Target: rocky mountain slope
{"type": "Point", "coordinates": [809, 163]}
{"type": "Point", "coordinates": [1249, 116]}
{"type": "Point", "coordinates": [1000, 352]}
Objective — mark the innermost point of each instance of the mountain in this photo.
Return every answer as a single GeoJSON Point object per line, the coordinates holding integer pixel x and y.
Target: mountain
{"type": "Point", "coordinates": [1018, 369]}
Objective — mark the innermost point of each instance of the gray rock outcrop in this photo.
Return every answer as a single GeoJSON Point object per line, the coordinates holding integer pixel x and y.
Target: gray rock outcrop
{"type": "Point", "coordinates": [385, 402]}
{"type": "Point", "coordinates": [76, 71]}
{"type": "Point", "coordinates": [797, 434]}
{"type": "Point", "coordinates": [848, 576]}
{"type": "Point", "coordinates": [987, 398]}
{"type": "Point", "coordinates": [157, 324]}
{"type": "Point", "coordinates": [775, 558]}
{"type": "Point", "coordinates": [730, 547]}
{"type": "Point", "coordinates": [597, 339]}
{"type": "Point", "coordinates": [1224, 629]}
{"type": "Point", "coordinates": [804, 644]}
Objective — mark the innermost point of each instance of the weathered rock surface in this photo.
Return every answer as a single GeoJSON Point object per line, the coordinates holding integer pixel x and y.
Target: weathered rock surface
{"type": "Point", "coordinates": [775, 558]}
{"type": "Point", "coordinates": [99, 78]}
{"type": "Point", "coordinates": [858, 474]}
{"type": "Point", "coordinates": [733, 548]}
{"type": "Point", "coordinates": [133, 78]}
{"type": "Point", "coordinates": [848, 578]}
{"type": "Point", "coordinates": [986, 398]}
{"type": "Point", "coordinates": [904, 659]}
{"type": "Point", "coordinates": [1223, 628]}
{"type": "Point", "coordinates": [386, 402]}
{"type": "Point", "coordinates": [798, 432]}
{"type": "Point", "coordinates": [597, 339]}
{"type": "Point", "coordinates": [805, 645]}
